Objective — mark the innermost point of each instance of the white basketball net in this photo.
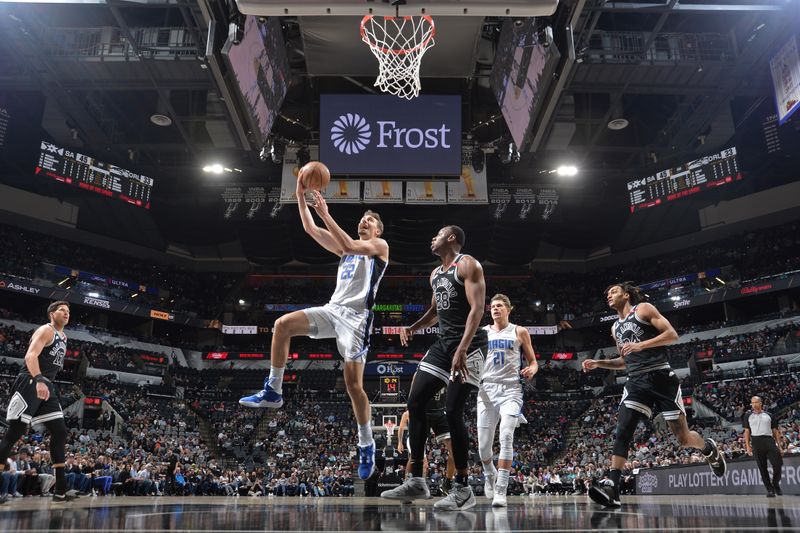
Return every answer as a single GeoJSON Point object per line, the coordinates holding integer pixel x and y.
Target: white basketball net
{"type": "Point", "coordinates": [389, 425]}
{"type": "Point", "coordinates": [399, 44]}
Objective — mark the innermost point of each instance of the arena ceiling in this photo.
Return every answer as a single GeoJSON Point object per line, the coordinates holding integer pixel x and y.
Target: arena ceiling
{"type": "Point", "coordinates": [685, 75]}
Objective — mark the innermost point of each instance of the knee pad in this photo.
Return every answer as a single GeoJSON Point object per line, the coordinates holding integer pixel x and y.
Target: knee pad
{"type": "Point", "coordinates": [507, 426]}
{"type": "Point", "coordinates": [627, 421]}
{"type": "Point", "coordinates": [58, 439]}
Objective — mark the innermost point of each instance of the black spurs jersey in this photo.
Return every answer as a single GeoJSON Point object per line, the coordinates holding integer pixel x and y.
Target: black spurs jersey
{"type": "Point", "coordinates": [51, 360]}
{"type": "Point", "coordinates": [452, 306]}
{"type": "Point", "coordinates": [633, 329]}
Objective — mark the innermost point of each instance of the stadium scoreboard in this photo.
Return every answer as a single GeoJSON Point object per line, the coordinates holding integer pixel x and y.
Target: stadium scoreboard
{"type": "Point", "coordinates": [390, 385]}
{"type": "Point", "coordinates": [695, 176]}
{"type": "Point", "coordinates": [88, 173]}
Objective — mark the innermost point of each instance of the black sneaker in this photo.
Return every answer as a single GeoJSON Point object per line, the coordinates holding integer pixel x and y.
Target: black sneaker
{"type": "Point", "coordinates": [716, 460]}
{"type": "Point", "coordinates": [605, 494]}
{"type": "Point", "coordinates": [777, 489]}
{"type": "Point", "coordinates": [69, 496]}
{"type": "Point", "coordinates": [770, 494]}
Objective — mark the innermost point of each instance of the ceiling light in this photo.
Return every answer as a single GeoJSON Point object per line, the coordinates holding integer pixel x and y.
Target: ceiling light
{"type": "Point", "coordinates": [241, 302]}
{"type": "Point", "coordinates": [717, 278]}
{"type": "Point", "coordinates": [216, 168]}
{"type": "Point", "coordinates": [567, 170]}
{"type": "Point", "coordinates": [161, 120]}
{"type": "Point", "coordinates": [618, 124]}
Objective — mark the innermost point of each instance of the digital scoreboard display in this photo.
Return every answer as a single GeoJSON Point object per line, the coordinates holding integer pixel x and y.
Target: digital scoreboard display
{"type": "Point", "coordinates": [87, 173]}
{"type": "Point", "coordinates": [390, 385]}
{"type": "Point", "coordinates": [695, 176]}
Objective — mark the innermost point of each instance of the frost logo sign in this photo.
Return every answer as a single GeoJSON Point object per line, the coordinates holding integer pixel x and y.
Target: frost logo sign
{"type": "Point", "coordinates": [350, 133]}
{"type": "Point", "coordinates": [382, 135]}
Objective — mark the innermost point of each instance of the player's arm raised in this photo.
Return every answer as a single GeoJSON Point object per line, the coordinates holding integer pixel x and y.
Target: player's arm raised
{"type": "Point", "coordinates": [526, 346]}
{"type": "Point", "coordinates": [667, 334]}
{"type": "Point", "coordinates": [475, 288]}
{"type": "Point", "coordinates": [321, 235]}
{"type": "Point", "coordinates": [38, 342]}
{"type": "Point", "coordinates": [372, 247]}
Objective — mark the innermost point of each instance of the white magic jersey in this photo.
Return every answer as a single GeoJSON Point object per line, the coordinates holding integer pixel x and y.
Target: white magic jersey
{"type": "Point", "coordinates": [504, 359]}
{"type": "Point", "coordinates": [357, 281]}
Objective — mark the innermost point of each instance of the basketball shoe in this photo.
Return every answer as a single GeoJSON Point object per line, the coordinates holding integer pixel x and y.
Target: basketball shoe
{"type": "Point", "coordinates": [488, 485]}
{"type": "Point", "coordinates": [500, 499]}
{"type": "Point", "coordinates": [715, 459]}
{"type": "Point", "coordinates": [605, 493]}
{"type": "Point", "coordinates": [459, 499]}
{"type": "Point", "coordinates": [412, 488]}
{"type": "Point", "coordinates": [68, 496]}
{"type": "Point", "coordinates": [263, 398]}
{"type": "Point", "coordinates": [366, 460]}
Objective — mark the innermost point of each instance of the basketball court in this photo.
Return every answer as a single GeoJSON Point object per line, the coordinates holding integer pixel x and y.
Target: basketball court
{"type": "Point", "coordinates": [545, 513]}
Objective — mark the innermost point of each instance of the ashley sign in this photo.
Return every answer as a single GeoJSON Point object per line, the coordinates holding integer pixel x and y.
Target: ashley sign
{"type": "Point", "coordinates": [384, 135]}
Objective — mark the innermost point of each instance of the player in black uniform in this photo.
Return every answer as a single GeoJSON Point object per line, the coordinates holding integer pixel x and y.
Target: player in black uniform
{"type": "Point", "coordinates": [455, 360]}
{"type": "Point", "coordinates": [34, 400]}
{"type": "Point", "coordinates": [641, 333]}
{"type": "Point", "coordinates": [437, 420]}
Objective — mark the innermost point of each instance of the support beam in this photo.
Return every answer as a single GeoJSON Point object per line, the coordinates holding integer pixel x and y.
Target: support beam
{"type": "Point", "coordinates": [616, 99]}
{"type": "Point", "coordinates": [700, 9]}
{"type": "Point", "coordinates": [162, 93]}
{"type": "Point", "coordinates": [555, 95]}
{"type": "Point", "coordinates": [614, 88]}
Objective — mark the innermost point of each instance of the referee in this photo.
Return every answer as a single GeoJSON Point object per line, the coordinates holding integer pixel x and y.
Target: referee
{"type": "Point", "coordinates": [766, 443]}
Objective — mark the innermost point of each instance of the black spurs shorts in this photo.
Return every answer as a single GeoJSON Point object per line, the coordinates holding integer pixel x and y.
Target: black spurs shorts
{"type": "Point", "coordinates": [657, 391]}
{"type": "Point", "coordinates": [27, 407]}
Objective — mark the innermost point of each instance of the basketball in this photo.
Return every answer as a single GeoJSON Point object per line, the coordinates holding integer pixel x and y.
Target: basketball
{"type": "Point", "coordinates": [315, 175]}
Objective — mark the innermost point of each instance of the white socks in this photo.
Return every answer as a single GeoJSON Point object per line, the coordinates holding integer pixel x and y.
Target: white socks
{"type": "Point", "coordinates": [365, 434]}
{"type": "Point", "coordinates": [275, 380]}
{"type": "Point", "coordinates": [489, 469]}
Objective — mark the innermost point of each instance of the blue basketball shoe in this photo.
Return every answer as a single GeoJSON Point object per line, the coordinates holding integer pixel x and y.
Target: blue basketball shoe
{"type": "Point", "coordinates": [263, 398]}
{"type": "Point", "coordinates": [366, 460]}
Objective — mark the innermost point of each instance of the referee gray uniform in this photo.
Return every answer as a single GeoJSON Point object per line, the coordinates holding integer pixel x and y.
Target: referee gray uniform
{"type": "Point", "coordinates": [761, 426]}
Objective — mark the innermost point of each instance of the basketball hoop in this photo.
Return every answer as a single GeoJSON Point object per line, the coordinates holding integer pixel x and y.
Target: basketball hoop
{"type": "Point", "coordinates": [399, 44]}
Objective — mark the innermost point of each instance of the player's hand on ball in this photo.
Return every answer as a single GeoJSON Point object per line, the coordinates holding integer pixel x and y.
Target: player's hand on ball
{"type": "Point", "coordinates": [42, 391]}
{"type": "Point", "coordinates": [405, 336]}
{"type": "Point", "coordinates": [629, 348]}
{"type": "Point", "coordinates": [319, 205]}
{"type": "Point", "coordinates": [589, 364]}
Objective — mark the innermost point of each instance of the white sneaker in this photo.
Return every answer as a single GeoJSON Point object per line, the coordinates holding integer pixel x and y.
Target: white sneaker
{"type": "Point", "coordinates": [412, 489]}
{"type": "Point", "coordinates": [500, 497]}
{"type": "Point", "coordinates": [459, 499]}
{"type": "Point", "coordinates": [488, 485]}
